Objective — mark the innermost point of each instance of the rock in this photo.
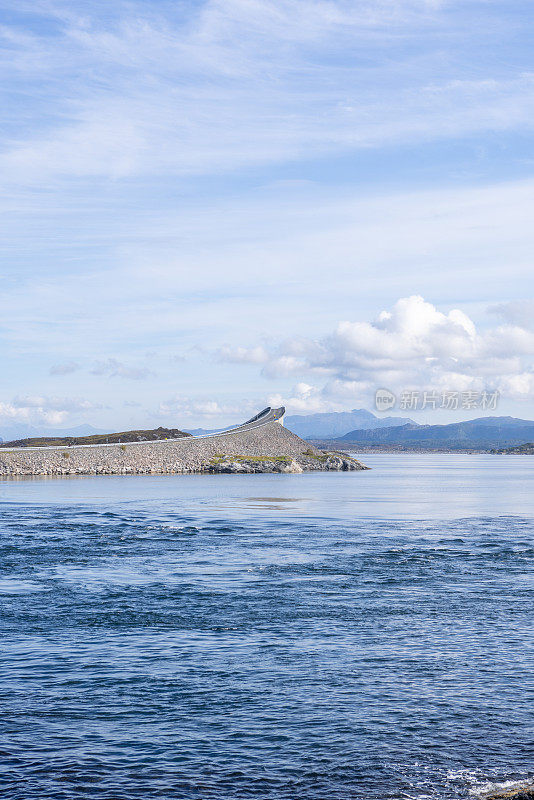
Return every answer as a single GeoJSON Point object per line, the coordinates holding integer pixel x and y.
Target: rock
{"type": "Point", "coordinates": [294, 467]}
{"type": "Point", "coordinates": [269, 448]}
{"type": "Point", "coordinates": [519, 792]}
{"type": "Point", "coordinates": [229, 466]}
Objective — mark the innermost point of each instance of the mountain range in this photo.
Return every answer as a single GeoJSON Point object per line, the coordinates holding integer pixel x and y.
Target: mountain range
{"type": "Point", "coordinates": [328, 425]}
{"type": "Point", "coordinates": [337, 423]}
{"type": "Point", "coordinates": [357, 428]}
{"type": "Point", "coordinates": [483, 433]}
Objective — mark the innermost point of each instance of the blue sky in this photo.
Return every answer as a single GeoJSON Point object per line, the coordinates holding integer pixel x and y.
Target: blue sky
{"type": "Point", "coordinates": [210, 206]}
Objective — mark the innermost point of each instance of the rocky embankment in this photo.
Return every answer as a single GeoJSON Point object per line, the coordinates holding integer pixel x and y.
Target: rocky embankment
{"type": "Point", "coordinates": [269, 448]}
{"type": "Point", "coordinates": [323, 462]}
{"type": "Point", "coordinates": [520, 791]}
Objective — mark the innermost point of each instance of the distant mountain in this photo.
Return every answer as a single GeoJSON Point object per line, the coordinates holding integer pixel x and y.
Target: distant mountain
{"type": "Point", "coordinates": [484, 433]}
{"type": "Point", "coordinates": [19, 430]}
{"type": "Point", "coordinates": [335, 424]}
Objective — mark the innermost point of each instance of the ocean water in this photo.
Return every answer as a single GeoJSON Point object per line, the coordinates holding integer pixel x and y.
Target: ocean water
{"type": "Point", "coordinates": [351, 635]}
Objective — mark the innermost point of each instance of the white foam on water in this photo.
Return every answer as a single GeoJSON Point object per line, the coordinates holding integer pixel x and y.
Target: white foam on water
{"type": "Point", "coordinates": [16, 586]}
{"type": "Point", "coordinates": [492, 787]}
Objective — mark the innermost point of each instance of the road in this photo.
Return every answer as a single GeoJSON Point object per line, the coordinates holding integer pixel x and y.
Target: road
{"type": "Point", "coordinates": [265, 417]}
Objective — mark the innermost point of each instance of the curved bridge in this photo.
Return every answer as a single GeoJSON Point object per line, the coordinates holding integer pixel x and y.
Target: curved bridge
{"type": "Point", "coordinates": [263, 418]}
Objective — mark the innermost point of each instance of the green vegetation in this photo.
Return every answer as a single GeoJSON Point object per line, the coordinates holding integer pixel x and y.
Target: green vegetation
{"type": "Point", "coordinates": [518, 449]}
{"type": "Point", "coordinates": [219, 458]}
{"type": "Point", "coordinates": [317, 456]}
{"type": "Point", "coordinates": [104, 438]}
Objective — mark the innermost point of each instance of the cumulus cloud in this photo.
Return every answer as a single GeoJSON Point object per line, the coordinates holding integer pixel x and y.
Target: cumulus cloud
{"type": "Point", "coordinates": [35, 409]}
{"type": "Point", "coordinates": [112, 368]}
{"type": "Point", "coordinates": [305, 399]}
{"type": "Point", "coordinates": [412, 345]}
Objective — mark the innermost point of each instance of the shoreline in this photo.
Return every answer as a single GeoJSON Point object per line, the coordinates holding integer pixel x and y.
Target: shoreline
{"type": "Point", "coordinates": [356, 448]}
{"type": "Point", "coordinates": [261, 448]}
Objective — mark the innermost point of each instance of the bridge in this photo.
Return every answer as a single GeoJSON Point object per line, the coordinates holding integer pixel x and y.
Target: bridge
{"type": "Point", "coordinates": [264, 417]}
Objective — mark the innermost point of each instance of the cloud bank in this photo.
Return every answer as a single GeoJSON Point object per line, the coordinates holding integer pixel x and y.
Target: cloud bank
{"type": "Point", "coordinates": [39, 410]}
{"type": "Point", "coordinates": [411, 346]}
{"type": "Point", "coordinates": [232, 170]}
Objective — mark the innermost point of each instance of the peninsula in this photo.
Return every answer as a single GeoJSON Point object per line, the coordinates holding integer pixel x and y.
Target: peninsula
{"type": "Point", "coordinates": [261, 444]}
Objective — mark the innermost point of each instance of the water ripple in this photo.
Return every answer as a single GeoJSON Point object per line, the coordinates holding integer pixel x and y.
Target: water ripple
{"type": "Point", "coordinates": [154, 652]}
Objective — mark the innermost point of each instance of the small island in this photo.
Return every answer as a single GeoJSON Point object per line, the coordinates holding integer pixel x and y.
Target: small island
{"type": "Point", "coordinates": [259, 445]}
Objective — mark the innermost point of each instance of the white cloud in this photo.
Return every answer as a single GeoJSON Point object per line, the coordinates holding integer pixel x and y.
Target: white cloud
{"type": "Point", "coordinates": [413, 345]}
{"type": "Point", "coordinates": [10, 413]}
{"type": "Point", "coordinates": [111, 107]}
{"type": "Point", "coordinates": [202, 408]}
{"type": "Point", "coordinates": [35, 410]}
{"type": "Point", "coordinates": [517, 312]}
{"type": "Point", "coordinates": [228, 84]}
{"type": "Point", "coordinates": [305, 399]}
{"type": "Point", "coordinates": [112, 368]}
{"type": "Point", "coordinates": [371, 250]}
{"type": "Point", "coordinates": [243, 355]}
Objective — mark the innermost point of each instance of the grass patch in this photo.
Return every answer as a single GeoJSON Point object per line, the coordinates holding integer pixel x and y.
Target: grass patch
{"type": "Point", "coordinates": [217, 459]}
{"type": "Point", "coordinates": [316, 456]}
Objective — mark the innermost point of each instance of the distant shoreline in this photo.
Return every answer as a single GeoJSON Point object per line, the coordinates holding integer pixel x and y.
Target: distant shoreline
{"type": "Point", "coordinates": [357, 448]}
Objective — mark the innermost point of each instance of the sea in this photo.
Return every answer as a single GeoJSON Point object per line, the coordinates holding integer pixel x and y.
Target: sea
{"type": "Point", "coordinates": [295, 637]}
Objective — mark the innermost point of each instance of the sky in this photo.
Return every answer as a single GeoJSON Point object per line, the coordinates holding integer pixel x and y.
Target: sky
{"type": "Point", "coordinates": [212, 206]}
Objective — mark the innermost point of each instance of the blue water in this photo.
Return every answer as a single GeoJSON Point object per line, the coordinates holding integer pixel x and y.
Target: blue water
{"type": "Point", "coordinates": [351, 635]}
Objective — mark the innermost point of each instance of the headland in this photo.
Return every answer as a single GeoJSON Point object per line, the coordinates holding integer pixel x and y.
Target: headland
{"type": "Point", "coordinates": [261, 444]}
